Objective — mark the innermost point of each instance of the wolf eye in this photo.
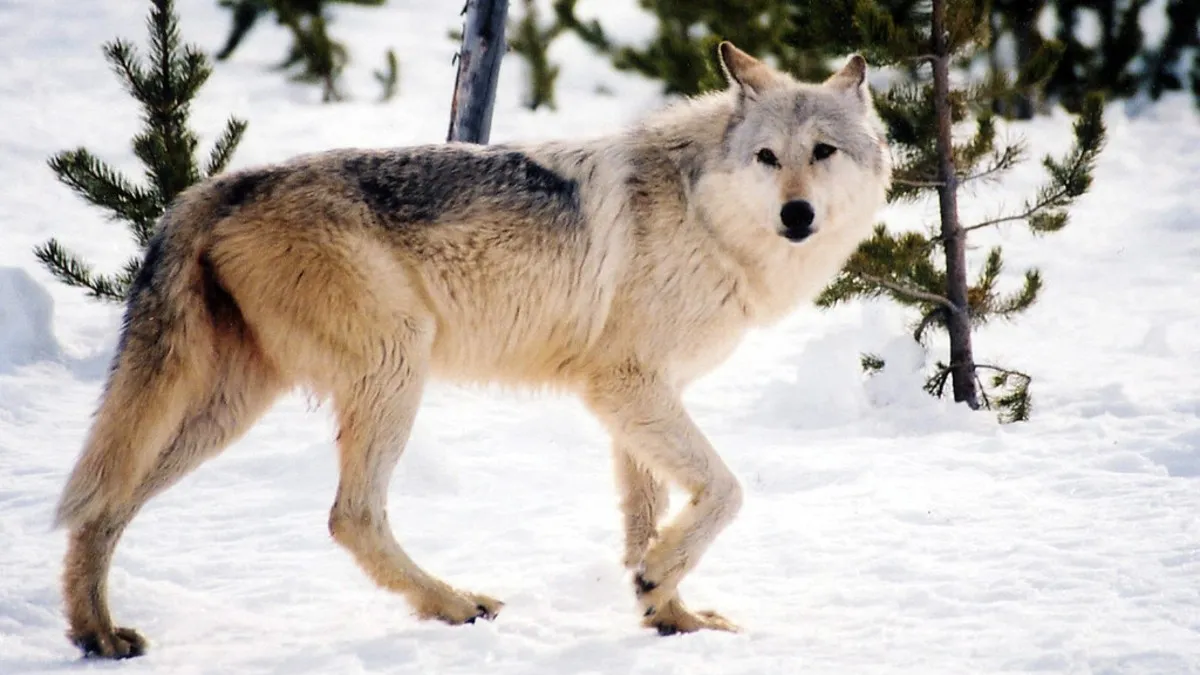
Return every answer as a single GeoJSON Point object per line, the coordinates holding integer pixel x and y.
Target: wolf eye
{"type": "Point", "coordinates": [823, 151]}
{"type": "Point", "coordinates": [767, 157]}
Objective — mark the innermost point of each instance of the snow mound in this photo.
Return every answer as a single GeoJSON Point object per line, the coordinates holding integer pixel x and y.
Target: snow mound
{"type": "Point", "coordinates": [824, 385]}
{"type": "Point", "coordinates": [26, 313]}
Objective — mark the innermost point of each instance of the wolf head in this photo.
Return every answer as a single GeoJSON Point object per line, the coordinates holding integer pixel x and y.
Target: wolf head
{"type": "Point", "coordinates": [802, 161]}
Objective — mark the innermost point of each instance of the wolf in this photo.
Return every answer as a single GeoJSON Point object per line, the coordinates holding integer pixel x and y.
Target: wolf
{"type": "Point", "coordinates": [618, 269]}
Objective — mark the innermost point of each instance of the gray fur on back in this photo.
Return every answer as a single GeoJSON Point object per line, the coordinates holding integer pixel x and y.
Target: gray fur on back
{"type": "Point", "coordinates": [425, 184]}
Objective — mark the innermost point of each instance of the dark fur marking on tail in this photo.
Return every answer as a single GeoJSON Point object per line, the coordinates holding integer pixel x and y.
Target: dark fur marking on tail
{"type": "Point", "coordinates": [150, 263]}
{"type": "Point", "coordinates": [142, 282]}
{"type": "Point", "coordinates": [245, 187]}
{"type": "Point", "coordinates": [220, 304]}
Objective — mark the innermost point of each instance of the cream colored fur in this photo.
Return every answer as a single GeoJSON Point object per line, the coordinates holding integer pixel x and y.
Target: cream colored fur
{"type": "Point", "coordinates": [679, 255]}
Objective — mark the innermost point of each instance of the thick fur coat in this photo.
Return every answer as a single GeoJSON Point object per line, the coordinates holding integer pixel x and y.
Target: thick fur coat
{"type": "Point", "coordinates": [619, 269]}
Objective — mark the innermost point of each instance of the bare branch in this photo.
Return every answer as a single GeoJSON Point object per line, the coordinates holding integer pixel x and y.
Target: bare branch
{"type": "Point", "coordinates": [917, 183]}
{"type": "Point", "coordinates": [936, 383]}
{"type": "Point", "coordinates": [998, 369]}
{"type": "Point", "coordinates": [1025, 215]}
{"type": "Point", "coordinates": [1003, 162]}
{"type": "Point", "coordinates": [987, 402]}
{"type": "Point", "coordinates": [909, 291]}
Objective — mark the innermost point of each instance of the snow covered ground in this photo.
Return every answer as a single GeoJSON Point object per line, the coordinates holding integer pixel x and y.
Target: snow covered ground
{"type": "Point", "coordinates": [884, 531]}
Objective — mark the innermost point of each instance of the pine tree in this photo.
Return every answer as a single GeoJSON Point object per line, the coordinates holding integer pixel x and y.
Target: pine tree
{"type": "Point", "coordinates": [927, 270]}
{"type": "Point", "coordinates": [1167, 67]}
{"type": "Point", "coordinates": [164, 85]}
{"type": "Point", "coordinates": [1016, 19]}
{"type": "Point", "coordinates": [797, 35]}
{"type": "Point", "coordinates": [531, 41]}
{"type": "Point", "coordinates": [314, 56]}
{"type": "Point", "coordinates": [1109, 67]}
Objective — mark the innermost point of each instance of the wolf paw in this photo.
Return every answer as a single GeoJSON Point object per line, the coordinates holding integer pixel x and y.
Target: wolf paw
{"type": "Point", "coordinates": [462, 608]}
{"type": "Point", "coordinates": [661, 570]}
{"type": "Point", "coordinates": [673, 618]}
{"type": "Point", "coordinates": [118, 643]}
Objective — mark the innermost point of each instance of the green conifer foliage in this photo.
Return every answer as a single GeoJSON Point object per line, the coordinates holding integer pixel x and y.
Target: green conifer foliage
{"type": "Point", "coordinates": [927, 270]}
{"type": "Point", "coordinates": [531, 41]}
{"type": "Point", "coordinates": [796, 35]}
{"type": "Point", "coordinates": [1168, 67]}
{"type": "Point", "coordinates": [313, 57]}
{"type": "Point", "coordinates": [389, 77]}
{"type": "Point", "coordinates": [800, 36]}
{"type": "Point", "coordinates": [164, 85]}
{"type": "Point", "coordinates": [1109, 67]}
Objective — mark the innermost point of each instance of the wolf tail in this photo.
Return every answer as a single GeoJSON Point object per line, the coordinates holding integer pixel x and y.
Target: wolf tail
{"type": "Point", "coordinates": [164, 359]}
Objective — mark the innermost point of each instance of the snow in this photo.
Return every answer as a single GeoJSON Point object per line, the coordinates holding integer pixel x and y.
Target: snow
{"type": "Point", "coordinates": [26, 313]}
{"type": "Point", "coordinates": [884, 531]}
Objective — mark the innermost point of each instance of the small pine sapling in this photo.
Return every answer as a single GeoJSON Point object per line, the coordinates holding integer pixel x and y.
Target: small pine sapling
{"type": "Point", "coordinates": [164, 85]}
{"type": "Point", "coordinates": [928, 270]}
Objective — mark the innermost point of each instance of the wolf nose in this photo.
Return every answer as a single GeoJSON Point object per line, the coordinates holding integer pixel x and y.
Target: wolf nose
{"type": "Point", "coordinates": [797, 216]}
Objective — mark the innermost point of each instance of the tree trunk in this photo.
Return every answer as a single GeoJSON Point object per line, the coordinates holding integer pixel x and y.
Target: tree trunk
{"type": "Point", "coordinates": [1028, 42]}
{"type": "Point", "coordinates": [483, 46]}
{"type": "Point", "coordinates": [962, 360]}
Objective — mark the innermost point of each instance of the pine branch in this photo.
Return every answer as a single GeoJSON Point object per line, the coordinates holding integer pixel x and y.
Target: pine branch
{"type": "Point", "coordinates": [987, 400]}
{"type": "Point", "coordinates": [591, 32]}
{"type": "Point", "coordinates": [1017, 403]}
{"type": "Point", "coordinates": [1070, 178]}
{"type": "Point", "coordinates": [917, 183]}
{"type": "Point", "coordinates": [915, 293]}
{"type": "Point", "coordinates": [129, 272]}
{"type": "Point", "coordinates": [1046, 200]}
{"type": "Point", "coordinates": [1041, 65]}
{"type": "Point", "coordinates": [871, 363]}
{"type": "Point", "coordinates": [165, 146]}
{"type": "Point", "coordinates": [102, 186]}
{"type": "Point", "coordinates": [935, 315]}
{"type": "Point", "coordinates": [1022, 299]}
{"type": "Point", "coordinates": [389, 77]}
{"type": "Point", "coordinates": [223, 148]}
{"type": "Point", "coordinates": [1002, 161]}
{"type": "Point", "coordinates": [122, 56]}
{"type": "Point", "coordinates": [981, 295]}
{"type": "Point", "coordinates": [71, 270]}
{"type": "Point", "coordinates": [245, 14]}
{"type": "Point", "coordinates": [936, 384]}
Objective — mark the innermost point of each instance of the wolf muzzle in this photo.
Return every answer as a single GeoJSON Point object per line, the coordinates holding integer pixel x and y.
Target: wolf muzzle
{"type": "Point", "coordinates": [797, 216]}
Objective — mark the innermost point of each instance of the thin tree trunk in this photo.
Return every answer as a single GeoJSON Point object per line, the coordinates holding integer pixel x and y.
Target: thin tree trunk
{"type": "Point", "coordinates": [478, 69]}
{"type": "Point", "coordinates": [962, 360]}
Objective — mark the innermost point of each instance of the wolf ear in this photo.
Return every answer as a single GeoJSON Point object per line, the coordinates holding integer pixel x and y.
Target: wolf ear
{"type": "Point", "coordinates": [747, 72]}
{"type": "Point", "coordinates": [852, 77]}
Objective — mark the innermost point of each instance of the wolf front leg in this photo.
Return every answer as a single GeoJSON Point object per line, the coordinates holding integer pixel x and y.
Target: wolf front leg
{"type": "Point", "coordinates": [647, 420]}
{"type": "Point", "coordinates": [644, 498]}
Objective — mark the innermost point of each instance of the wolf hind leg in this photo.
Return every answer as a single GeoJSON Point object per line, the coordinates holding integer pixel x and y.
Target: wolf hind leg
{"type": "Point", "coordinates": [646, 418]}
{"type": "Point", "coordinates": [375, 415]}
{"type": "Point", "coordinates": [246, 387]}
{"type": "Point", "coordinates": [352, 324]}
